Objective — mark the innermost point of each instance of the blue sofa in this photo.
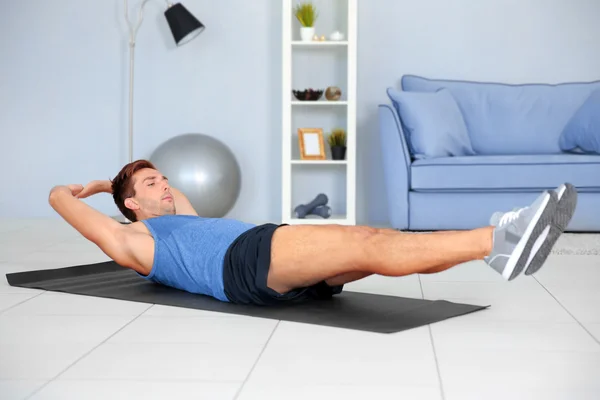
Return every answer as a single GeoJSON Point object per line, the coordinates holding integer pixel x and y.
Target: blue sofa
{"type": "Point", "coordinates": [506, 147]}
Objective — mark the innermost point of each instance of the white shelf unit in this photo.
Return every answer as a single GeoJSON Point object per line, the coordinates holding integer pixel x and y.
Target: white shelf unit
{"type": "Point", "coordinates": [317, 44]}
{"type": "Point", "coordinates": [319, 103]}
{"type": "Point", "coordinates": [346, 214]}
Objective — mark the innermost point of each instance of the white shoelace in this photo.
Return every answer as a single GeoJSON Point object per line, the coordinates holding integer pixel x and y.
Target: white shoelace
{"type": "Point", "coordinates": [510, 216]}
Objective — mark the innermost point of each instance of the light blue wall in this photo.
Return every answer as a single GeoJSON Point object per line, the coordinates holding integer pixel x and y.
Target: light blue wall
{"type": "Point", "coordinates": [64, 94]}
{"type": "Point", "coordinates": [64, 77]}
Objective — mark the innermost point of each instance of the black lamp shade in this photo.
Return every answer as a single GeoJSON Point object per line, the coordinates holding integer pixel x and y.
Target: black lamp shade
{"type": "Point", "coordinates": [184, 26]}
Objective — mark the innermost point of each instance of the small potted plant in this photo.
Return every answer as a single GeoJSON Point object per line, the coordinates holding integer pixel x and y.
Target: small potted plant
{"type": "Point", "coordinates": [337, 142]}
{"type": "Point", "coordinates": [307, 14]}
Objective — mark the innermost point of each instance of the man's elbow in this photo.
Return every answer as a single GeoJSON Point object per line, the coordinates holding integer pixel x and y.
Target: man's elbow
{"type": "Point", "coordinates": [56, 197]}
{"type": "Point", "coordinates": [52, 196]}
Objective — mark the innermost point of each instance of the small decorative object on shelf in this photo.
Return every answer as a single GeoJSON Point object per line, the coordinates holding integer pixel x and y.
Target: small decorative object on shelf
{"type": "Point", "coordinates": [306, 13]}
{"type": "Point", "coordinates": [308, 94]}
{"type": "Point", "coordinates": [312, 144]}
{"type": "Point", "coordinates": [322, 211]}
{"type": "Point", "coordinates": [336, 36]}
{"type": "Point", "coordinates": [317, 206]}
{"type": "Point", "coordinates": [333, 93]}
{"type": "Point", "coordinates": [337, 142]}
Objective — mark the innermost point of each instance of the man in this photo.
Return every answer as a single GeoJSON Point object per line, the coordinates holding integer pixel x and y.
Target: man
{"type": "Point", "coordinates": [233, 261]}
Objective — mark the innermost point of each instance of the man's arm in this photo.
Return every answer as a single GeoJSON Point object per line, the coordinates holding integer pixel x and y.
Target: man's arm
{"type": "Point", "coordinates": [100, 229]}
{"type": "Point", "coordinates": [182, 204]}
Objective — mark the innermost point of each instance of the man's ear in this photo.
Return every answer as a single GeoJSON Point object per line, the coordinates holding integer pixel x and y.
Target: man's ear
{"type": "Point", "coordinates": [131, 204]}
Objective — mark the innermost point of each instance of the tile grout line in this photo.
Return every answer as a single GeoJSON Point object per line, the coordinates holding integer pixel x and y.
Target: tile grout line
{"type": "Point", "coordinates": [239, 392]}
{"type": "Point", "coordinates": [567, 311]}
{"type": "Point", "coordinates": [36, 251]}
{"type": "Point", "coordinates": [437, 365]}
{"type": "Point", "coordinates": [21, 302]}
{"type": "Point", "coordinates": [85, 354]}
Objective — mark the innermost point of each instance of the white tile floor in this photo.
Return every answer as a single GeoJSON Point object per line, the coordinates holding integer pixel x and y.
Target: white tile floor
{"type": "Point", "coordinates": [539, 340]}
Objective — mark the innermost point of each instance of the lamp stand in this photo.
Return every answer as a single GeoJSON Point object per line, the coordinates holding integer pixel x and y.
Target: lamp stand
{"type": "Point", "coordinates": [184, 27]}
{"type": "Point", "coordinates": [133, 30]}
{"type": "Point", "coordinates": [131, 62]}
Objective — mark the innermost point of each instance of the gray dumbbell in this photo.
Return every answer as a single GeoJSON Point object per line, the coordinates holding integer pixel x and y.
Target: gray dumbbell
{"type": "Point", "coordinates": [303, 209]}
{"type": "Point", "coordinates": [322, 211]}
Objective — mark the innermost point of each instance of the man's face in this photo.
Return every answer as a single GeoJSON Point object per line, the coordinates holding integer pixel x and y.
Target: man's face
{"type": "Point", "coordinates": [153, 195]}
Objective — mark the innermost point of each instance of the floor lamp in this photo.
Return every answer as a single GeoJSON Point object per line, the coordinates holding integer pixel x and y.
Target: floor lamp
{"type": "Point", "coordinates": [184, 27]}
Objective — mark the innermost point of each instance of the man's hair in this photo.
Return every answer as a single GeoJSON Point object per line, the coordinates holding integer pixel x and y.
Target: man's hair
{"type": "Point", "coordinates": [122, 186]}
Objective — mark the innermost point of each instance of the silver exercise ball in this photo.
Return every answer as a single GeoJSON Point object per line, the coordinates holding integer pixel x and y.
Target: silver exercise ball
{"type": "Point", "coordinates": [203, 169]}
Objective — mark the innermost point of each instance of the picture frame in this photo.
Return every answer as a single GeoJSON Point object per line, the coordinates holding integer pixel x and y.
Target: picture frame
{"type": "Point", "coordinates": [312, 144]}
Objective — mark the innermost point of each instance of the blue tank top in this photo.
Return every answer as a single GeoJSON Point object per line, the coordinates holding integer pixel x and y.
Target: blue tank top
{"type": "Point", "coordinates": [189, 251]}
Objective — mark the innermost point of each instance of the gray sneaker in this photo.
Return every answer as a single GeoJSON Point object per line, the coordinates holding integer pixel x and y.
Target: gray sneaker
{"type": "Point", "coordinates": [520, 235]}
{"type": "Point", "coordinates": [567, 202]}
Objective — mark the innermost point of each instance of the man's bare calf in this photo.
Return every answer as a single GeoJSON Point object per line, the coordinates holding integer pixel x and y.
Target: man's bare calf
{"type": "Point", "coordinates": [304, 255]}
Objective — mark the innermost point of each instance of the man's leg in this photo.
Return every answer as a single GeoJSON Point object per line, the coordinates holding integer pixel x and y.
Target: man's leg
{"type": "Point", "coordinates": [304, 255]}
{"type": "Point", "coordinates": [355, 276]}
{"type": "Point", "coordinates": [347, 278]}
{"type": "Point", "coordinates": [307, 254]}
{"type": "Point", "coordinates": [438, 268]}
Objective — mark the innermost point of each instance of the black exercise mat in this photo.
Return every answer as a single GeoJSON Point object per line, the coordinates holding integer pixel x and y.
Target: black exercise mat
{"type": "Point", "coordinates": [350, 310]}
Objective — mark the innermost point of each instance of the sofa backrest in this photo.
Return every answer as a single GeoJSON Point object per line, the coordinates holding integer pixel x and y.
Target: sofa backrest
{"type": "Point", "coordinates": [509, 118]}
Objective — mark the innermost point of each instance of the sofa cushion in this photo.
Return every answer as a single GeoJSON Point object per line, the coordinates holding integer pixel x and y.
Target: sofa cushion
{"type": "Point", "coordinates": [481, 173]}
{"type": "Point", "coordinates": [507, 119]}
{"type": "Point", "coordinates": [583, 130]}
{"type": "Point", "coordinates": [442, 136]}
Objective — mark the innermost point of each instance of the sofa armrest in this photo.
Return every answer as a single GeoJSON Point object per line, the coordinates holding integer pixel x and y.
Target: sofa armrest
{"type": "Point", "coordinates": [396, 166]}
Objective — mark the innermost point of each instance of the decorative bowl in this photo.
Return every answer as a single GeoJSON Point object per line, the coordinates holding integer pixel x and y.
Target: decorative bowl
{"type": "Point", "coordinates": [308, 94]}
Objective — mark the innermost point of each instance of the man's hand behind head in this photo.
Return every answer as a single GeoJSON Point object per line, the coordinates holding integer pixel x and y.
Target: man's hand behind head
{"type": "Point", "coordinates": [73, 189]}
{"type": "Point", "coordinates": [95, 187]}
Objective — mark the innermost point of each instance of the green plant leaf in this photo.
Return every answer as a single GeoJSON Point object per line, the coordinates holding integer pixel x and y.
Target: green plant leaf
{"type": "Point", "coordinates": [306, 13]}
{"type": "Point", "coordinates": [337, 137]}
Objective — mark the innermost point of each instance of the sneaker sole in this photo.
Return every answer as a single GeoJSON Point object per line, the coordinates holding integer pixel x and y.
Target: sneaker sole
{"type": "Point", "coordinates": [520, 256]}
{"type": "Point", "coordinates": [564, 212]}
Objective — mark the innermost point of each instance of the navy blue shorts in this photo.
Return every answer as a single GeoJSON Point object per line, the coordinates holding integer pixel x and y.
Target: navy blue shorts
{"type": "Point", "coordinates": [246, 267]}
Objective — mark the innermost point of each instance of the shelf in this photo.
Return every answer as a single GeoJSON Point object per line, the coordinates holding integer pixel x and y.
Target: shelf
{"type": "Point", "coordinates": [317, 43]}
{"type": "Point", "coordinates": [319, 64]}
{"type": "Point", "coordinates": [320, 162]}
{"type": "Point", "coordinates": [320, 103]}
{"type": "Point", "coordinates": [316, 220]}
